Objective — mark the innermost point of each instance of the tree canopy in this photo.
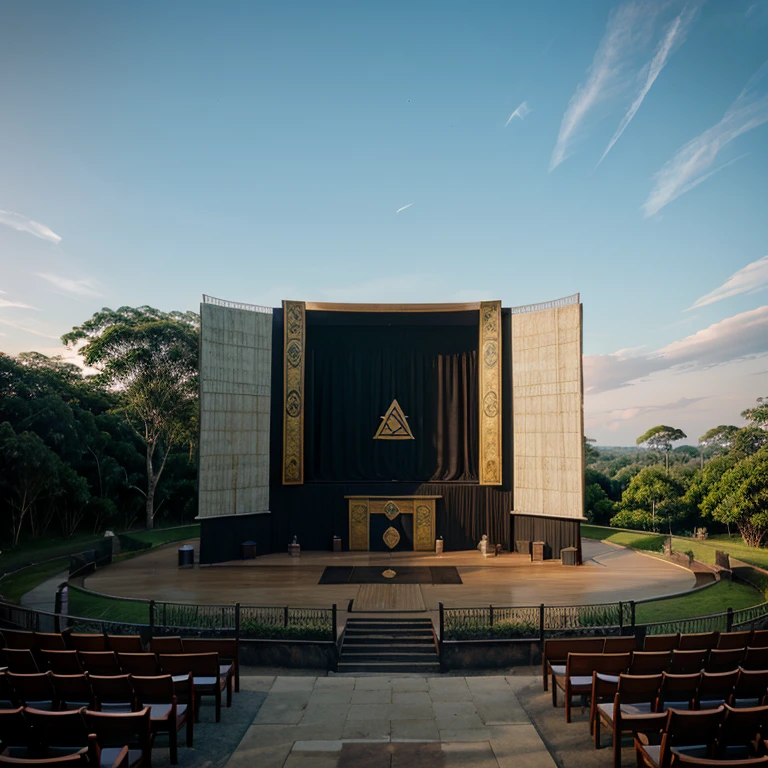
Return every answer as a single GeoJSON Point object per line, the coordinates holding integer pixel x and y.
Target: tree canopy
{"type": "Point", "coordinates": [660, 438]}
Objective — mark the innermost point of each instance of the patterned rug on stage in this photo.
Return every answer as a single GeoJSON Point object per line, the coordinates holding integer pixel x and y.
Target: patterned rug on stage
{"type": "Point", "coordinates": [383, 574]}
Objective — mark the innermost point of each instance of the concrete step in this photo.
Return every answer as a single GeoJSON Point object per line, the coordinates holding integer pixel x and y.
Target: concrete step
{"type": "Point", "coordinates": [349, 658]}
{"type": "Point", "coordinates": [389, 667]}
{"type": "Point", "coordinates": [388, 648]}
{"type": "Point", "coordinates": [379, 639]}
{"type": "Point", "coordinates": [383, 629]}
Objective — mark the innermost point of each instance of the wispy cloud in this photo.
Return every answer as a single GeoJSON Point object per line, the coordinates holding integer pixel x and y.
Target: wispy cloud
{"type": "Point", "coordinates": [23, 224]}
{"type": "Point", "coordinates": [84, 287]}
{"type": "Point", "coordinates": [27, 329]}
{"type": "Point", "coordinates": [404, 207]}
{"type": "Point", "coordinates": [520, 112]}
{"type": "Point", "coordinates": [628, 26]}
{"type": "Point", "coordinates": [738, 337]}
{"type": "Point", "coordinates": [749, 279]}
{"type": "Point", "coordinates": [17, 304]}
{"type": "Point", "coordinates": [673, 39]}
{"type": "Point", "coordinates": [693, 161]}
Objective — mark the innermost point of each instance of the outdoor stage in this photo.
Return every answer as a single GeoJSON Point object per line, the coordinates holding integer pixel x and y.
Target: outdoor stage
{"type": "Point", "coordinates": [609, 574]}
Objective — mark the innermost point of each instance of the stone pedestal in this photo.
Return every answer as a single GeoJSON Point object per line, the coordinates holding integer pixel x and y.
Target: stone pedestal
{"type": "Point", "coordinates": [294, 550]}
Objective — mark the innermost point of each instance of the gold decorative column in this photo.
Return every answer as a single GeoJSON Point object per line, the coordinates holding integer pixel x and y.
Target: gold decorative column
{"type": "Point", "coordinates": [294, 343]}
{"type": "Point", "coordinates": [489, 367]}
{"type": "Point", "coordinates": [358, 525]}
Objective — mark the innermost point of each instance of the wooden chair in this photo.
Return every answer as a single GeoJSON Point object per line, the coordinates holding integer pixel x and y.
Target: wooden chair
{"type": "Point", "coordinates": [687, 662]}
{"type": "Point", "coordinates": [21, 661]}
{"type": "Point", "coordinates": [49, 641]}
{"type": "Point", "coordinates": [556, 653]}
{"type": "Point", "coordinates": [80, 759]}
{"type": "Point", "coordinates": [145, 664]}
{"type": "Point", "coordinates": [681, 761]}
{"type": "Point", "coordinates": [604, 689]}
{"type": "Point", "coordinates": [117, 730]}
{"type": "Point", "coordinates": [677, 691]}
{"type": "Point", "coordinates": [8, 697]}
{"type": "Point", "coordinates": [724, 659]}
{"type": "Point", "coordinates": [100, 662]}
{"type": "Point", "coordinates": [751, 688]}
{"type": "Point", "coordinates": [755, 658]}
{"type": "Point", "coordinates": [759, 639]}
{"type": "Point", "coordinates": [661, 642]}
{"type": "Point", "coordinates": [167, 715]}
{"type": "Point", "coordinates": [579, 670]}
{"type": "Point", "coordinates": [58, 733]}
{"type": "Point", "coordinates": [618, 644]}
{"type": "Point", "coordinates": [228, 649]}
{"type": "Point", "coordinates": [166, 645]}
{"type": "Point", "coordinates": [633, 709]}
{"type": "Point", "coordinates": [62, 662]}
{"type": "Point", "coordinates": [649, 662]}
{"type": "Point", "coordinates": [728, 640]}
{"type": "Point", "coordinates": [207, 681]}
{"type": "Point", "coordinates": [125, 643]}
{"type": "Point", "coordinates": [699, 641]}
{"type": "Point", "coordinates": [686, 732]}
{"type": "Point", "coordinates": [87, 642]}
{"type": "Point", "coordinates": [15, 731]}
{"type": "Point", "coordinates": [73, 691]}
{"type": "Point", "coordinates": [19, 639]}
{"type": "Point", "coordinates": [113, 693]}
{"type": "Point", "coordinates": [715, 689]}
{"type": "Point", "coordinates": [34, 689]}
{"type": "Point", "coordinates": [741, 732]}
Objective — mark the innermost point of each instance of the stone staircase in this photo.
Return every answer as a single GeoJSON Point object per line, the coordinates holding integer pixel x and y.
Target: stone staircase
{"type": "Point", "coordinates": [389, 645]}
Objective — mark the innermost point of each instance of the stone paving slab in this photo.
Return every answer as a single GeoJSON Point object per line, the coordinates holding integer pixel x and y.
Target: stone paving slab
{"type": "Point", "coordinates": [381, 722]}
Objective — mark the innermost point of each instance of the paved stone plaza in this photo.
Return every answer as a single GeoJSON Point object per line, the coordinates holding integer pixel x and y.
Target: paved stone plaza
{"type": "Point", "coordinates": [380, 722]}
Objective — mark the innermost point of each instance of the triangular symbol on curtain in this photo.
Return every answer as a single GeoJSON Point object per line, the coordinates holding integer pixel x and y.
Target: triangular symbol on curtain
{"type": "Point", "coordinates": [394, 425]}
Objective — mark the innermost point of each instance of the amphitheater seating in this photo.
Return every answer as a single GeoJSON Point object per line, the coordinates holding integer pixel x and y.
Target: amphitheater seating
{"type": "Point", "coordinates": [62, 662]}
{"type": "Point", "coordinates": [20, 660]}
{"type": "Point", "coordinates": [699, 641]}
{"type": "Point", "coordinates": [555, 653]}
{"type": "Point", "coordinates": [81, 642]}
{"type": "Point", "coordinates": [721, 660]}
{"type": "Point", "coordinates": [73, 691]}
{"type": "Point", "coordinates": [114, 693]}
{"type": "Point", "coordinates": [661, 642]}
{"type": "Point", "coordinates": [727, 640]}
{"type": "Point", "coordinates": [206, 673]}
{"type": "Point", "coordinates": [34, 690]}
{"type": "Point", "coordinates": [125, 643]}
{"type": "Point", "coordinates": [684, 662]}
{"type": "Point", "coordinates": [139, 663]}
{"type": "Point", "coordinates": [116, 730]}
{"type": "Point", "coordinates": [715, 688]}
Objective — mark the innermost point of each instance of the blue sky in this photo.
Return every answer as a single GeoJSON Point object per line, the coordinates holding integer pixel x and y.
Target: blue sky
{"type": "Point", "coordinates": [259, 151]}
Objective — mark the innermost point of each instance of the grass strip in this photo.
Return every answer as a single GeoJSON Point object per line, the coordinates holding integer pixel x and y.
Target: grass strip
{"type": "Point", "coordinates": [17, 584]}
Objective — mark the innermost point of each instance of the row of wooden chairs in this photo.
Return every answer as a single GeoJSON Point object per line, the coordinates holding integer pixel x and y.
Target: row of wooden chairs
{"type": "Point", "coordinates": [81, 737]}
{"type": "Point", "coordinates": [172, 702]}
{"type": "Point", "coordinates": [556, 650]}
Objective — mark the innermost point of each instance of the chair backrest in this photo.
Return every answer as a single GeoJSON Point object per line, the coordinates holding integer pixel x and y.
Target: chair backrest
{"type": "Point", "coordinates": [14, 728]}
{"type": "Point", "coordinates": [580, 664]}
{"type": "Point", "coordinates": [62, 662]}
{"type": "Point", "coordinates": [125, 643]}
{"type": "Point", "coordinates": [112, 689]}
{"type": "Point", "coordinates": [557, 649]}
{"type": "Point", "coordinates": [131, 729]}
{"type": "Point", "coordinates": [8, 698]}
{"type": "Point", "coordinates": [99, 662]}
{"type": "Point", "coordinates": [34, 687]}
{"type": "Point", "coordinates": [759, 639]}
{"type": "Point", "coordinates": [677, 689]}
{"type": "Point", "coordinates": [157, 689]}
{"type": "Point", "coordinates": [716, 686]}
{"type": "Point", "coordinates": [58, 729]}
{"type": "Point", "coordinates": [661, 642]}
{"type": "Point", "coordinates": [79, 759]}
{"type": "Point", "coordinates": [752, 684]}
{"type": "Point", "coordinates": [166, 645]}
{"type": "Point", "coordinates": [635, 689]}
{"type": "Point", "coordinates": [649, 662]}
{"type": "Point", "coordinates": [620, 644]}
{"type": "Point", "coordinates": [73, 690]}
{"type": "Point", "coordinates": [688, 728]}
{"type": "Point", "coordinates": [721, 659]}
{"type": "Point", "coordinates": [203, 664]}
{"type": "Point", "coordinates": [699, 641]}
{"type": "Point", "coordinates": [87, 642]}
{"type": "Point", "coordinates": [138, 663]}
{"type": "Point", "coordinates": [755, 658]}
{"type": "Point", "coordinates": [686, 662]}
{"type": "Point", "coordinates": [19, 638]}
{"type": "Point", "coordinates": [50, 641]}
{"type": "Point", "coordinates": [20, 660]}
{"type": "Point", "coordinates": [728, 640]}
{"type": "Point", "coordinates": [742, 726]}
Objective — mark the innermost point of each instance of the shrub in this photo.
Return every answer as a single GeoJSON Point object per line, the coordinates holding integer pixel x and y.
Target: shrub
{"type": "Point", "coordinates": [258, 630]}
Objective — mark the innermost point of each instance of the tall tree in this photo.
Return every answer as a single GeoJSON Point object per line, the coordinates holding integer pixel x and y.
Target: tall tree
{"type": "Point", "coordinates": [150, 358]}
{"type": "Point", "coordinates": [758, 415]}
{"type": "Point", "coordinates": [717, 440]}
{"type": "Point", "coordinates": [655, 492]}
{"type": "Point", "coordinates": [661, 438]}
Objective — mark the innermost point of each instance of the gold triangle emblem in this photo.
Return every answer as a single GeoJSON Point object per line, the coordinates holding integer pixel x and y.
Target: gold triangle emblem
{"type": "Point", "coordinates": [394, 425]}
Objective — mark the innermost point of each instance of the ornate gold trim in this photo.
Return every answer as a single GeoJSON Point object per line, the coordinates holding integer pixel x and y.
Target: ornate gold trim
{"type": "Point", "coordinates": [294, 345]}
{"type": "Point", "coordinates": [394, 425]}
{"type": "Point", "coordinates": [359, 525]}
{"type": "Point", "coordinates": [322, 306]}
{"type": "Point", "coordinates": [424, 527]}
{"type": "Point", "coordinates": [489, 367]}
{"type": "Point", "coordinates": [391, 537]}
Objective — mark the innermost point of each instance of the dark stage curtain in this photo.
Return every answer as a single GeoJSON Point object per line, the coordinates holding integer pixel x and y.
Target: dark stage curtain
{"type": "Point", "coordinates": [355, 372]}
{"type": "Point", "coordinates": [557, 532]}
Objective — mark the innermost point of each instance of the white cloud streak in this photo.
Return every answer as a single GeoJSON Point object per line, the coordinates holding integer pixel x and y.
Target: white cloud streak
{"type": "Point", "coordinates": [735, 338]}
{"type": "Point", "coordinates": [692, 162]}
{"type": "Point", "coordinates": [404, 207]}
{"type": "Point", "coordinates": [85, 287]}
{"type": "Point", "coordinates": [673, 39]}
{"type": "Point", "coordinates": [521, 112]}
{"type": "Point", "coordinates": [27, 330]}
{"type": "Point", "coordinates": [627, 26]}
{"type": "Point", "coordinates": [23, 224]}
{"type": "Point", "coordinates": [16, 304]}
{"type": "Point", "coordinates": [749, 279]}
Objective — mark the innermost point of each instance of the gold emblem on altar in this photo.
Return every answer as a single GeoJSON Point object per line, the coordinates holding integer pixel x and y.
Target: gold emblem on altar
{"type": "Point", "coordinates": [389, 574]}
{"type": "Point", "coordinates": [391, 537]}
{"type": "Point", "coordinates": [391, 510]}
{"type": "Point", "coordinates": [394, 425]}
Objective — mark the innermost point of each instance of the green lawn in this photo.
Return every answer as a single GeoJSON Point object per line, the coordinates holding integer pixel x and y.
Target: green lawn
{"type": "Point", "coordinates": [15, 585]}
{"type": "Point", "coordinates": [653, 542]}
{"type": "Point", "coordinates": [166, 535]}
{"type": "Point", "coordinates": [107, 608]}
{"type": "Point", "coordinates": [714, 599]}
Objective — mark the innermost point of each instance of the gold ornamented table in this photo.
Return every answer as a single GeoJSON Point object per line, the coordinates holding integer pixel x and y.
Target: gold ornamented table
{"type": "Point", "coordinates": [421, 507]}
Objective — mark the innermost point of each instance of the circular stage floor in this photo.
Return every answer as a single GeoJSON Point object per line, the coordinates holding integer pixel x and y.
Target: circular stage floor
{"type": "Point", "coordinates": [608, 574]}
